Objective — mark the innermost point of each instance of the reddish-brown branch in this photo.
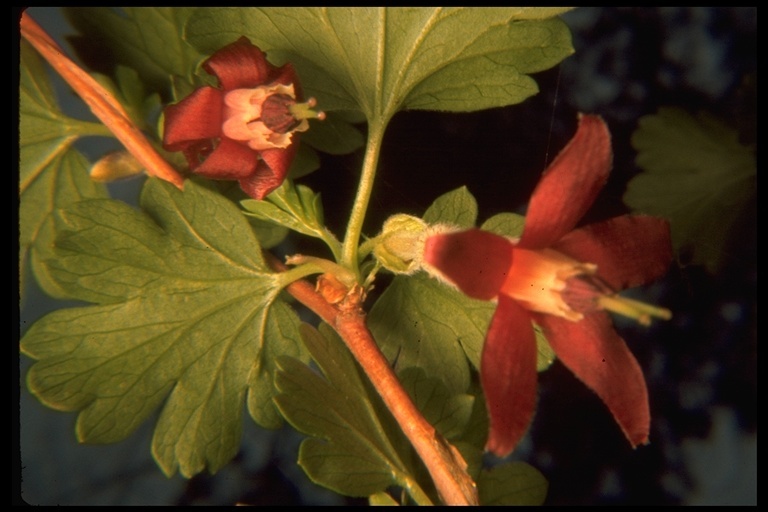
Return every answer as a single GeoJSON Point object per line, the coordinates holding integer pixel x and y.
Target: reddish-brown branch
{"type": "Point", "coordinates": [101, 102]}
{"type": "Point", "coordinates": [445, 464]}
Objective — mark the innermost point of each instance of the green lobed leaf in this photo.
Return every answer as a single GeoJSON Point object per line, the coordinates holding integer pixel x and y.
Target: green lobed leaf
{"type": "Point", "coordinates": [147, 39]}
{"type": "Point", "coordinates": [356, 449]}
{"type": "Point", "coordinates": [383, 59]}
{"type": "Point", "coordinates": [499, 61]}
{"type": "Point", "coordinates": [267, 233]}
{"type": "Point", "coordinates": [187, 316]}
{"type": "Point", "coordinates": [697, 175]}
{"type": "Point", "coordinates": [52, 175]}
{"type": "Point", "coordinates": [515, 483]}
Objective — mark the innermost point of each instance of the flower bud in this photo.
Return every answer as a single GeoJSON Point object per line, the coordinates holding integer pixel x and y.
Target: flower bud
{"type": "Point", "coordinates": [114, 166]}
{"type": "Point", "coordinates": [399, 246]}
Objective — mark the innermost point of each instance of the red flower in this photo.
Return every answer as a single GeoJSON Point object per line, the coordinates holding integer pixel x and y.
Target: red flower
{"type": "Point", "coordinates": [562, 279]}
{"type": "Point", "coordinates": [247, 130]}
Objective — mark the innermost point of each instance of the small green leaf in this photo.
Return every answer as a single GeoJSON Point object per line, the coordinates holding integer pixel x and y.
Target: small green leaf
{"type": "Point", "coordinates": [297, 208]}
{"type": "Point", "coordinates": [187, 317]}
{"type": "Point", "coordinates": [356, 449]}
{"type": "Point", "coordinates": [697, 175]}
{"type": "Point", "coordinates": [515, 483]}
{"type": "Point", "coordinates": [507, 224]}
{"type": "Point", "coordinates": [52, 175]}
{"type": "Point", "coordinates": [383, 59]}
{"type": "Point", "coordinates": [457, 207]}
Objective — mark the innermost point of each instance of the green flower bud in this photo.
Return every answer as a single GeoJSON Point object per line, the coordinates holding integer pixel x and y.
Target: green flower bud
{"type": "Point", "coordinates": [399, 246]}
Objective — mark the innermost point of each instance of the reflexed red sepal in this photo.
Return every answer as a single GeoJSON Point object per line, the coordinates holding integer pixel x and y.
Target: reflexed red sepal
{"type": "Point", "coordinates": [597, 355]}
{"type": "Point", "coordinates": [629, 251]}
{"type": "Point", "coordinates": [261, 183]}
{"type": "Point", "coordinates": [508, 376]}
{"type": "Point", "coordinates": [569, 185]}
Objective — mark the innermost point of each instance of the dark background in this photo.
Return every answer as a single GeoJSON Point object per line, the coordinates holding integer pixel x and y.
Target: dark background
{"type": "Point", "coordinates": [701, 367]}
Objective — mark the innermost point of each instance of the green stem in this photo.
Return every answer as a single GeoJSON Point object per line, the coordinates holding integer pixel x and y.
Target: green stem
{"type": "Point", "coordinates": [331, 242]}
{"type": "Point", "coordinates": [327, 267]}
{"type": "Point", "coordinates": [360, 207]}
{"type": "Point", "coordinates": [366, 247]}
{"type": "Point", "coordinates": [295, 273]}
{"type": "Point", "coordinates": [86, 128]}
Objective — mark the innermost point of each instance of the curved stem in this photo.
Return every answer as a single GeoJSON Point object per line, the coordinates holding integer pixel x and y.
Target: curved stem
{"type": "Point", "coordinates": [360, 207]}
{"type": "Point", "coordinates": [366, 247]}
{"type": "Point", "coordinates": [294, 274]}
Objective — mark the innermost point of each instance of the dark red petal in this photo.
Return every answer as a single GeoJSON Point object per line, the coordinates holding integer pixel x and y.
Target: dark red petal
{"type": "Point", "coordinates": [230, 160]}
{"type": "Point", "coordinates": [569, 185]}
{"type": "Point", "coordinates": [197, 117]}
{"type": "Point", "coordinates": [272, 170]}
{"type": "Point", "coordinates": [596, 354]}
{"type": "Point", "coordinates": [508, 376]}
{"type": "Point", "coordinates": [240, 65]}
{"type": "Point", "coordinates": [259, 184]}
{"type": "Point", "coordinates": [629, 251]}
{"type": "Point", "coordinates": [279, 160]}
{"type": "Point", "coordinates": [476, 261]}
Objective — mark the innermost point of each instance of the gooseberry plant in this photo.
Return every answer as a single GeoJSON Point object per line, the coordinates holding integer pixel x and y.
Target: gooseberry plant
{"type": "Point", "coordinates": [221, 112]}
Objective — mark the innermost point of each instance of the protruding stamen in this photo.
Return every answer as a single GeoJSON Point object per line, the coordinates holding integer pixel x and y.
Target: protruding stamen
{"type": "Point", "coordinates": [304, 110]}
{"type": "Point", "coordinates": [630, 308]}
